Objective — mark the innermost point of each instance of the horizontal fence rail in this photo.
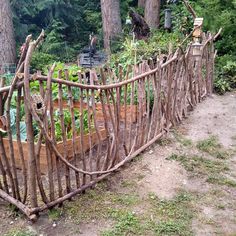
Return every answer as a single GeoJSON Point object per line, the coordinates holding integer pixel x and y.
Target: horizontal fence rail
{"type": "Point", "coordinates": [59, 137]}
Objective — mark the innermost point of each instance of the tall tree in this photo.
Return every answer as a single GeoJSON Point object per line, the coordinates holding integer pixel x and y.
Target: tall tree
{"type": "Point", "coordinates": [141, 3]}
{"type": "Point", "coordinates": [152, 13]}
{"type": "Point", "coordinates": [7, 40]}
{"type": "Point", "coordinates": [111, 20]}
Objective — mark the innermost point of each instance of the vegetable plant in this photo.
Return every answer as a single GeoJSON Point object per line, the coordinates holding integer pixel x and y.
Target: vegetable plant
{"type": "Point", "coordinates": [68, 123]}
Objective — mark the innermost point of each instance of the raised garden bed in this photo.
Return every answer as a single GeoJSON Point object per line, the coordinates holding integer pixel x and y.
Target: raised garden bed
{"type": "Point", "coordinates": [131, 117]}
{"type": "Point", "coordinates": [60, 146]}
{"type": "Point", "coordinates": [131, 111]}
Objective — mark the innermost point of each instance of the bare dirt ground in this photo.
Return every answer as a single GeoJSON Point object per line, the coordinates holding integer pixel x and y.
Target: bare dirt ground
{"type": "Point", "coordinates": [183, 185]}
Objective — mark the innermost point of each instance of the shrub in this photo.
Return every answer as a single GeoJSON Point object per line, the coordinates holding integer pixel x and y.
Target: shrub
{"type": "Point", "coordinates": [221, 86]}
{"type": "Point", "coordinates": [225, 74]}
{"type": "Point", "coordinates": [40, 60]}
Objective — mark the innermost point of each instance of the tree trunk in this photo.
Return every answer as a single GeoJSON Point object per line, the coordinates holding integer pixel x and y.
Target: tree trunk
{"type": "Point", "coordinates": [141, 3]}
{"type": "Point", "coordinates": [152, 13]}
{"type": "Point", "coordinates": [111, 21]}
{"type": "Point", "coordinates": [7, 40]}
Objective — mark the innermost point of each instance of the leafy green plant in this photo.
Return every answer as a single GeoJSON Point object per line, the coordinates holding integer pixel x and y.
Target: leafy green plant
{"type": "Point", "coordinates": [133, 51]}
{"type": "Point", "coordinates": [181, 18]}
{"type": "Point", "coordinates": [226, 74]}
{"type": "Point", "coordinates": [54, 214]}
{"type": "Point", "coordinates": [68, 123]}
{"type": "Point", "coordinates": [40, 60]}
{"type": "Point", "coordinates": [8, 77]}
{"type": "Point", "coordinates": [221, 86]}
{"type": "Point", "coordinates": [73, 70]}
{"type": "Point", "coordinates": [23, 133]}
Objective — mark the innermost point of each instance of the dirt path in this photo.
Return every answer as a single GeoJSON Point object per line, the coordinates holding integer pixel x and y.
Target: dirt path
{"type": "Point", "coordinates": [184, 185]}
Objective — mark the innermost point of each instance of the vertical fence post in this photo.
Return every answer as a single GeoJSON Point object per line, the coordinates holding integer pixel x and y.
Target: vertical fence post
{"type": "Point", "coordinates": [30, 131]}
{"type": "Point", "coordinates": [212, 63]}
{"type": "Point", "coordinates": [31, 156]}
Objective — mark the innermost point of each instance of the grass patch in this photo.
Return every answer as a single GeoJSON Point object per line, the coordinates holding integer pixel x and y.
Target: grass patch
{"type": "Point", "coordinates": [13, 211]}
{"type": "Point", "coordinates": [19, 232]}
{"type": "Point", "coordinates": [173, 217]}
{"type": "Point", "coordinates": [161, 217]}
{"type": "Point", "coordinates": [200, 165]}
{"type": "Point", "coordinates": [164, 141]}
{"type": "Point", "coordinates": [212, 146]}
{"type": "Point", "coordinates": [172, 228]}
{"type": "Point", "coordinates": [128, 184]}
{"type": "Point", "coordinates": [221, 207]}
{"type": "Point", "coordinates": [213, 169]}
{"type": "Point", "coordinates": [221, 180]}
{"type": "Point", "coordinates": [97, 203]}
{"type": "Point", "coordinates": [186, 142]}
{"type": "Point", "coordinates": [54, 214]}
{"type": "Point", "coordinates": [127, 223]}
{"type": "Point", "coordinates": [181, 139]}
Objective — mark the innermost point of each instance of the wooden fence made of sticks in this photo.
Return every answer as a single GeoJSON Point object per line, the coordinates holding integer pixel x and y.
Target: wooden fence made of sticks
{"type": "Point", "coordinates": [77, 134]}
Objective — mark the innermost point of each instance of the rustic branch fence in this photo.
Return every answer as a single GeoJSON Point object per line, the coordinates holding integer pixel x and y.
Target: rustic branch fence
{"type": "Point", "coordinates": [124, 115]}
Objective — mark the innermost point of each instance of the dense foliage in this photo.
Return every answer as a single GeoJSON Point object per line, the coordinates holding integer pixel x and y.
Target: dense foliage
{"type": "Point", "coordinates": [221, 13]}
{"type": "Point", "coordinates": [68, 24]}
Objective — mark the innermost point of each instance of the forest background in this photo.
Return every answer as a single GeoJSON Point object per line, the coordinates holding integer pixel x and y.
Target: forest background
{"type": "Point", "coordinates": [68, 24]}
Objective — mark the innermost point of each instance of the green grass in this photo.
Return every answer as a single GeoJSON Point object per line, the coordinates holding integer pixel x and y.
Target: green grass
{"type": "Point", "coordinates": [221, 180]}
{"type": "Point", "coordinates": [127, 223]}
{"type": "Point", "coordinates": [200, 165]}
{"type": "Point", "coordinates": [181, 139]}
{"type": "Point", "coordinates": [13, 210]}
{"type": "Point", "coordinates": [161, 217]}
{"type": "Point", "coordinates": [128, 184]}
{"type": "Point", "coordinates": [54, 214]}
{"type": "Point", "coordinates": [164, 141]}
{"type": "Point", "coordinates": [97, 203]}
{"type": "Point", "coordinates": [172, 228]}
{"type": "Point", "coordinates": [221, 207]}
{"type": "Point", "coordinates": [157, 217]}
{"type": "Point", "coordinates": [173, 217]}
{"type": "Point", "coordinates": [212, 146]}
{"type": "Point", "coordinates": [19, 232]}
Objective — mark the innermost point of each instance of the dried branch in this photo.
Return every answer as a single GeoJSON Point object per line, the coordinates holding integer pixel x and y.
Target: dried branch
{"type": "Point", "coordinates": [190, 9]}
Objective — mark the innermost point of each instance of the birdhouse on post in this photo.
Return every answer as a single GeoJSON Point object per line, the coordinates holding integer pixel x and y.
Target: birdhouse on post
{"type": "Point", "coordinates": [197, 36]}
{"type": "Point", "coordinates": [197, 33]}
{"type": "Point", "coordinates": [168, 19]}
